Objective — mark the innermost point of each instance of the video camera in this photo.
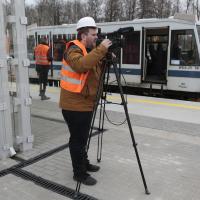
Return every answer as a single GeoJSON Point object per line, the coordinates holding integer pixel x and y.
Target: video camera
{"type": "Point", "coordinates": [115, 37]}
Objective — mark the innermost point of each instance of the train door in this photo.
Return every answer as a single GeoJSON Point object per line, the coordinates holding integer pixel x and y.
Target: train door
{"type": "Point", "coordinates": [154, 54]}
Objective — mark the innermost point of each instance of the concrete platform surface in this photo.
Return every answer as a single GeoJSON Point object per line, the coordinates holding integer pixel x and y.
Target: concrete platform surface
{"type": "Point", "coordinates": [168, 150]}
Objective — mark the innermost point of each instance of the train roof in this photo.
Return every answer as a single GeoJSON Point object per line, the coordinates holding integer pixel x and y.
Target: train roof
{"type": "Point", "coordinates": [180, 19]}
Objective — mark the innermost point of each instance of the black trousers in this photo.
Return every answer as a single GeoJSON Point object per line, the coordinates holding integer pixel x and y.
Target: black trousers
{"type": "Point", "coordinates": [79, 126]}
{"type": "Point", "coordinates": [43, 71]}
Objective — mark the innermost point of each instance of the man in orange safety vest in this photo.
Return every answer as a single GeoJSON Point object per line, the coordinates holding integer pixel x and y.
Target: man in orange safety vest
{"type": "Point", "coordinates": [80, 75]}
{"type": "Point", "coordinates": [42, 56]}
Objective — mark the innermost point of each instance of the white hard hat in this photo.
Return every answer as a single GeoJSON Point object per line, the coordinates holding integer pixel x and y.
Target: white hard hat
{"type": "Point", "coordinates": [85, 22]}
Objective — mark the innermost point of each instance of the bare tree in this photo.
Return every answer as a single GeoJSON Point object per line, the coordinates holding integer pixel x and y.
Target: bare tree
{"type": "Point", "coordinates": [31, 14]}
{"type": "Point", "coordinates": [67, 13]}
{"type": "Point", "coordinates": [176, 7]}
{"type": "Point", "coordinates": [94, 9]}
{"type": "Point", "coordinates": [163, 8]}
{"type": "Point", "coordinates": [197, 9]}
{"type": "Point", "coordinates": [55, 12]}
{"type": "Point", "coordinates": [48, 12]}
{"type": "Point", "coordinates": [40, 12]}
{"type": "Point", "coordinates": [112, 10]}
{"type": "Point", "coordinates": [168, 8]}
{"type": "Point", "coordinates": [188, 4]}
{"type": "Point", "coordinates": [129, 9]}
{"type": "Point", "coordinates": [146, 9]}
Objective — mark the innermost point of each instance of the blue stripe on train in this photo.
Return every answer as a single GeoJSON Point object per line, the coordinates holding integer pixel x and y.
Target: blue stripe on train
{"type": "Point", "coordinates": [128, 71]}
{"type": "Point", "coordinates": [171, 73]}
{"type": "Point", "coordinates": [56, 67]}
{"type": "Point", "coordinates": [123, 70]}
{"type": "Point", "coordinates": [188, 74]}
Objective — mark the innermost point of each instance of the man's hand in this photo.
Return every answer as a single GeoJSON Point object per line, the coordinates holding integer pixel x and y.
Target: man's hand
{"type": "Point", "coordinates": [106, 43]}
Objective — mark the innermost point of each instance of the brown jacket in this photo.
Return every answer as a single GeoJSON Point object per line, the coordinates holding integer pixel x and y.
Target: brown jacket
{"type": "Point", "coordinates": [85, 100]}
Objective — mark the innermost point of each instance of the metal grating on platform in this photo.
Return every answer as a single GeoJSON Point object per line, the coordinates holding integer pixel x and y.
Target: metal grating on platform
{"type": "Point", "coordinates": [52, 186]}
{"type": "Point", "coordinates": [4, 172]}
{"type": "Point", "coordinates": [55, 187]}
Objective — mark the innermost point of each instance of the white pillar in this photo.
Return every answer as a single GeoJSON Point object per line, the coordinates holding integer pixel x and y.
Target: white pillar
{"type": "Point", "coordinates": [24, 138]}
{"type": "Point", "coordinates": [6, 141]}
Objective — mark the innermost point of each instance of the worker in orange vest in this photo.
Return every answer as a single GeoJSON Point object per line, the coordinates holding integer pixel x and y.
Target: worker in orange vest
{"type": "Point", "coordinates": [42, 55]}
{"type": "Point", "coordinates": [80, 75]}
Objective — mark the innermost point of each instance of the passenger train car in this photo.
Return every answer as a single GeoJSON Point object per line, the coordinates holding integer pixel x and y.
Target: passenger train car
{"type": "Point", "coordinates": [160, 54]}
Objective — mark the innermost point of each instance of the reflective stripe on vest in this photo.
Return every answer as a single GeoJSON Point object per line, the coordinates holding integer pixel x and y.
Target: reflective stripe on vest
{"type": "Point", "coordinates": [71, 80]}
{"type": "Point", "coordinates": [41, 54]}
{"type": "Point", "coordinates": [67, 67]}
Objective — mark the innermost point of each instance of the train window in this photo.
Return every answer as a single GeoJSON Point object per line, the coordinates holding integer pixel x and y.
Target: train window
{"type": "Point", "coordinates": [40, 37]}
{"type": "Point", "coordinates": [59, 44]}
{"type": "Point", "coordinates": [184, 48]}
{"type": "Point", "coordinates": [70, 37]}
{"type": "Point", "coordinates": [30, 47]}
{"type": "Point", "coordinates": [73, 36]}
{"type": "Point", "coordinates": [198, 29]}
{"type": "Point", "coordinates": [10, 47]}
{"type": "Point", "coordinates": [131, 50]}
{"type": "Point", "coordinates": [60, 36]}
{"type": "Point", "coordinates": [65, 37]}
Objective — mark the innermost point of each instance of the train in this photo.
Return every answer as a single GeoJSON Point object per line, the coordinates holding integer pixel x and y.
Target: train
{"type": "Point", "coordinates": [159, 55]}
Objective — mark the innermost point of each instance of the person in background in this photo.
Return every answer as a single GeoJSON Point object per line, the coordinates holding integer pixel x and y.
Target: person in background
{"type": "Point", "coordinates": [80, 75]}
{"type": "Point", "coordinates": [176, 51]}
{"type": "Point", "coordinates": [42, 56]}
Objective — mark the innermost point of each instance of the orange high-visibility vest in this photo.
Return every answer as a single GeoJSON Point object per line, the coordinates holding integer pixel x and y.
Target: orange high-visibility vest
{"type": "Point", "coordinates": [71, 80]}
{"type": "Point", "coordinates": [41, 52]}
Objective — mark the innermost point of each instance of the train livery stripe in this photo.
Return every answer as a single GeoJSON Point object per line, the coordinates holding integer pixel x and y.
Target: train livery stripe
{"type": "Point", "coordinates": [123, 70]}
{"type": "Point", "coordinates": [180, 73]}
{"type": "Point", "coordinates": [55, 67]}
{"type": "Point", "coordinates": [129, 71]}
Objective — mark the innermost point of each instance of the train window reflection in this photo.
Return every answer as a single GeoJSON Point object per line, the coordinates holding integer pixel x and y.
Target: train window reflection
{"type": "Point", "coordinates": [131, 50]}
{"type": "Point", "coordinates": [70, 37]}
{"type": "Point", "coordinates": [30, 47]}
{"type": "Point", "coordinates": [184, 48]}
{"type": "Point", "coordinates": [42, 37]}
{"type": "Point", "coordinates": [59, 44]}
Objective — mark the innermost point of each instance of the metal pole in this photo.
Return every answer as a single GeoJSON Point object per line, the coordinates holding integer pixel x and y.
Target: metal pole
{"type": "Point", "coordinates": [24, 139]}
{"type": "Point", "coordinates": [6, 142]}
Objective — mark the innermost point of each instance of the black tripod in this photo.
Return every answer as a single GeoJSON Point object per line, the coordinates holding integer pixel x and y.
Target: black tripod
{"type": "Point", "coordinates": [101, 96]}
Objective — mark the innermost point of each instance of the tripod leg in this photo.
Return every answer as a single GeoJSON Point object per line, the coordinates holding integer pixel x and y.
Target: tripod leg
{"type": "Point", "coordinates": [101, 129]}
{"type": "Point", "coordinates": [102, 116]}
{"type": "Point", "coordinates": [98, 96]}
{"type": "Point", "coordinates": [129, 125]}
{"type": "Point", "coordinates": [93, 118]}
{"type": "Point", "coordinates": [78, 185]}
{"type": "Point", "coordinates": [99, 145]}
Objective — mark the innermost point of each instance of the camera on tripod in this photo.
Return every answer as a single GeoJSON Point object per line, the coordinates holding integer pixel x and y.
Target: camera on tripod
{"type": "Point", "coordinates": [116, 37]}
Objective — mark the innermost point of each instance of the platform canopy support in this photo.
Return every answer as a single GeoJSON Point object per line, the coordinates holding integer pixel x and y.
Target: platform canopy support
{"type": "Point", "coordinates": [23, 139]}
{"type": "Point", "coordinates": [6, 138]}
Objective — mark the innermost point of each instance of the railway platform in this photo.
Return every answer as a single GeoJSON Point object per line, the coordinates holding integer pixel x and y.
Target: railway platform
{"type": "Point", "coordinates": [168, 142]}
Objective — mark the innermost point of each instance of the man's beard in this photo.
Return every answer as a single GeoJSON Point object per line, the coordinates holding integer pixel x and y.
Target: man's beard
{"type": "Point", "coordinates": [91, 45]}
